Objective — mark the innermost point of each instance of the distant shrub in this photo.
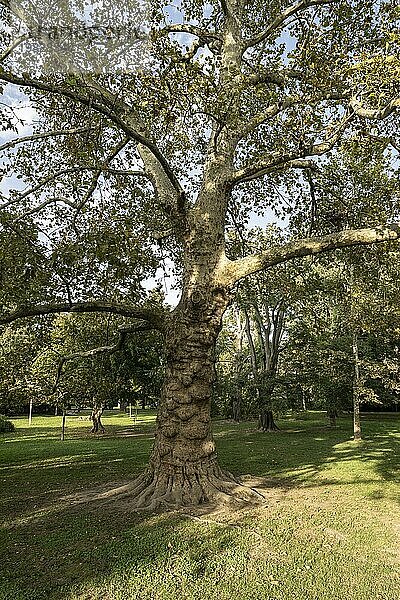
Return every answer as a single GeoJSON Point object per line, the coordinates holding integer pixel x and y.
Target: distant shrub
{"type": "Point", "coordinates": [5, 426]}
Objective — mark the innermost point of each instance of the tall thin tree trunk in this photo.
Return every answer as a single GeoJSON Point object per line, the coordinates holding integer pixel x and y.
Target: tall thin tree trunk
{"type": "Point", "coordinates": [96, 418]}
{"type": "Point", "coordinates": [63, 425]}
{"type": "Point", "coordinates": [237, 406]}
{"type": "Point", "coordinates": [237, 394]}
{"type": "Point", "coordinates": [356, 390]}
{"type": "Point", "coordinates": [332, 414]}
{"type": "Point", "coordinates": [30, 411]}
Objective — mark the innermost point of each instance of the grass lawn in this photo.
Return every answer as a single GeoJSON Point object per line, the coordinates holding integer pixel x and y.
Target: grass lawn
{"type": "Point", "coordinates": [330, 529]}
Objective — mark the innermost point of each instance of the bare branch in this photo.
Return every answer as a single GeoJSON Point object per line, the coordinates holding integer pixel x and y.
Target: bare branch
{"type": "Point", "coordinates": [387, 140]}
{"type": "Point", "coordinates": [40, 136]}
{"type": "Point", "coordinates": [123, 332]}
{"type": "Point", "coordinates": [153, 316]}
{"type": "Point", "coordinates": [269, 113]}
{"type": "Point", "coordinates": [14, 44]}
{"type": "Point", "coordinates": [276, 160]}
{"type": "Point", "coordinates": [92, 188]}
{"type": "Point", "coordinates": [280, 19]}
{"type": "Point", "coordinates": [43, 183]}
{"type": "Point", "coordinates": [126, 173]}
{"type": "Point", "coordinates": [275, 109]}
{"type": "Point", "coordinates": [48, 201]}
{"type": "Point", "coordinates": [104, 106]}
{"type": "Point", "coordinates": [233, 271]}
{"type": "Point", "coordinates": [41, 206]}
{"type": "Point", "coordinates": [302, 163]}
{"type": "Point", "coordinates": [203, 34]}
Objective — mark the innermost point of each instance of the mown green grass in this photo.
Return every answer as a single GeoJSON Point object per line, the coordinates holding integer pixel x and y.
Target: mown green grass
{"type": "Point", "coordinates": [330, 529]}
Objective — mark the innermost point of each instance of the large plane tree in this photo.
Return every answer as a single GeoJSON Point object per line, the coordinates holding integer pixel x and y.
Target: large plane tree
{"type": "Point", "coordinates": [235, 103]}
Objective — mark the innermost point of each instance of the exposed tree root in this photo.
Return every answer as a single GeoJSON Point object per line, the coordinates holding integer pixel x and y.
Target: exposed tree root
{"type": "Point", "coordinates": [173, 488]}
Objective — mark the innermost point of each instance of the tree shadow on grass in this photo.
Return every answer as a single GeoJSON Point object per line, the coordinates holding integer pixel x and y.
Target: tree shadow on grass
{"type": "Point", "coordinates": [72, 550]}
{"type": "Point", "coordinates": [48, 548]}
{"type": "Point", "coordinates": [311, 456]}
{"type": "Point", "coordinates": [55, 555]}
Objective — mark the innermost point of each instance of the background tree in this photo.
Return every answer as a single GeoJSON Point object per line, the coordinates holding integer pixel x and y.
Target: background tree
{"type": "Point", "coordinates": [20, 346]}
{"type": "Point", "coordinates": [319, 360]}
{"type": "Point", "coordinates": [84, 365]}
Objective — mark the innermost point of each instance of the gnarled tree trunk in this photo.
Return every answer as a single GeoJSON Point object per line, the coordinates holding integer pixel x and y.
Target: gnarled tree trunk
{"type": "Point", "coordinates": [183, 467]}
{"type": "Point", "coordinates": [96, 415]}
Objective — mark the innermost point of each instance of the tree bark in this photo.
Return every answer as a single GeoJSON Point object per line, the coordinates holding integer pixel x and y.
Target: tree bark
{"type": "Point", "coordinates": [62, 437]}
{"type": "Point", "coordinates": [266, 421]}
{"type": "Point", "coordinates": [332, 414]}
{"type": "Point", "coordinates": [237, 406]}
{"type": "Point", "coordinates": [265, 389]}
{"type": "Point", "coordinates": [237, 393]}
{"type": "Point", "coordinates": [183, 468]}
{"type": "Point", "coordinates": [356, 391]}
{"type": "Point", "coordinates": [30, 411]}
{"type": "Point", "coordinates": [96, 418]}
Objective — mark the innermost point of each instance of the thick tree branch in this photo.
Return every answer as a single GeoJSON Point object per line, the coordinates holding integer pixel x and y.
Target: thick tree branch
{"type": "Point", "coordinates": [276, 76]}
{"type": "Point", "coordinates": [123, 332]}
{"type": "Point", "coordinates": [374, 113]}
{"type": "Point", "coordinates": [233, 271]}
{"type": "Point", "coordinates": [170, 194]}
{"type": "Point", "coordinates": [280, 19]}
{"type": "Point", "coordinates": [152, 316]}
{"type": "Point", "coordinates": [100, 104]}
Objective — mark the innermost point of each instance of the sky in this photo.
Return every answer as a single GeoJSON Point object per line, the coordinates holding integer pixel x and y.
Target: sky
{"type": "Point", "coordinates": [25, 112]}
